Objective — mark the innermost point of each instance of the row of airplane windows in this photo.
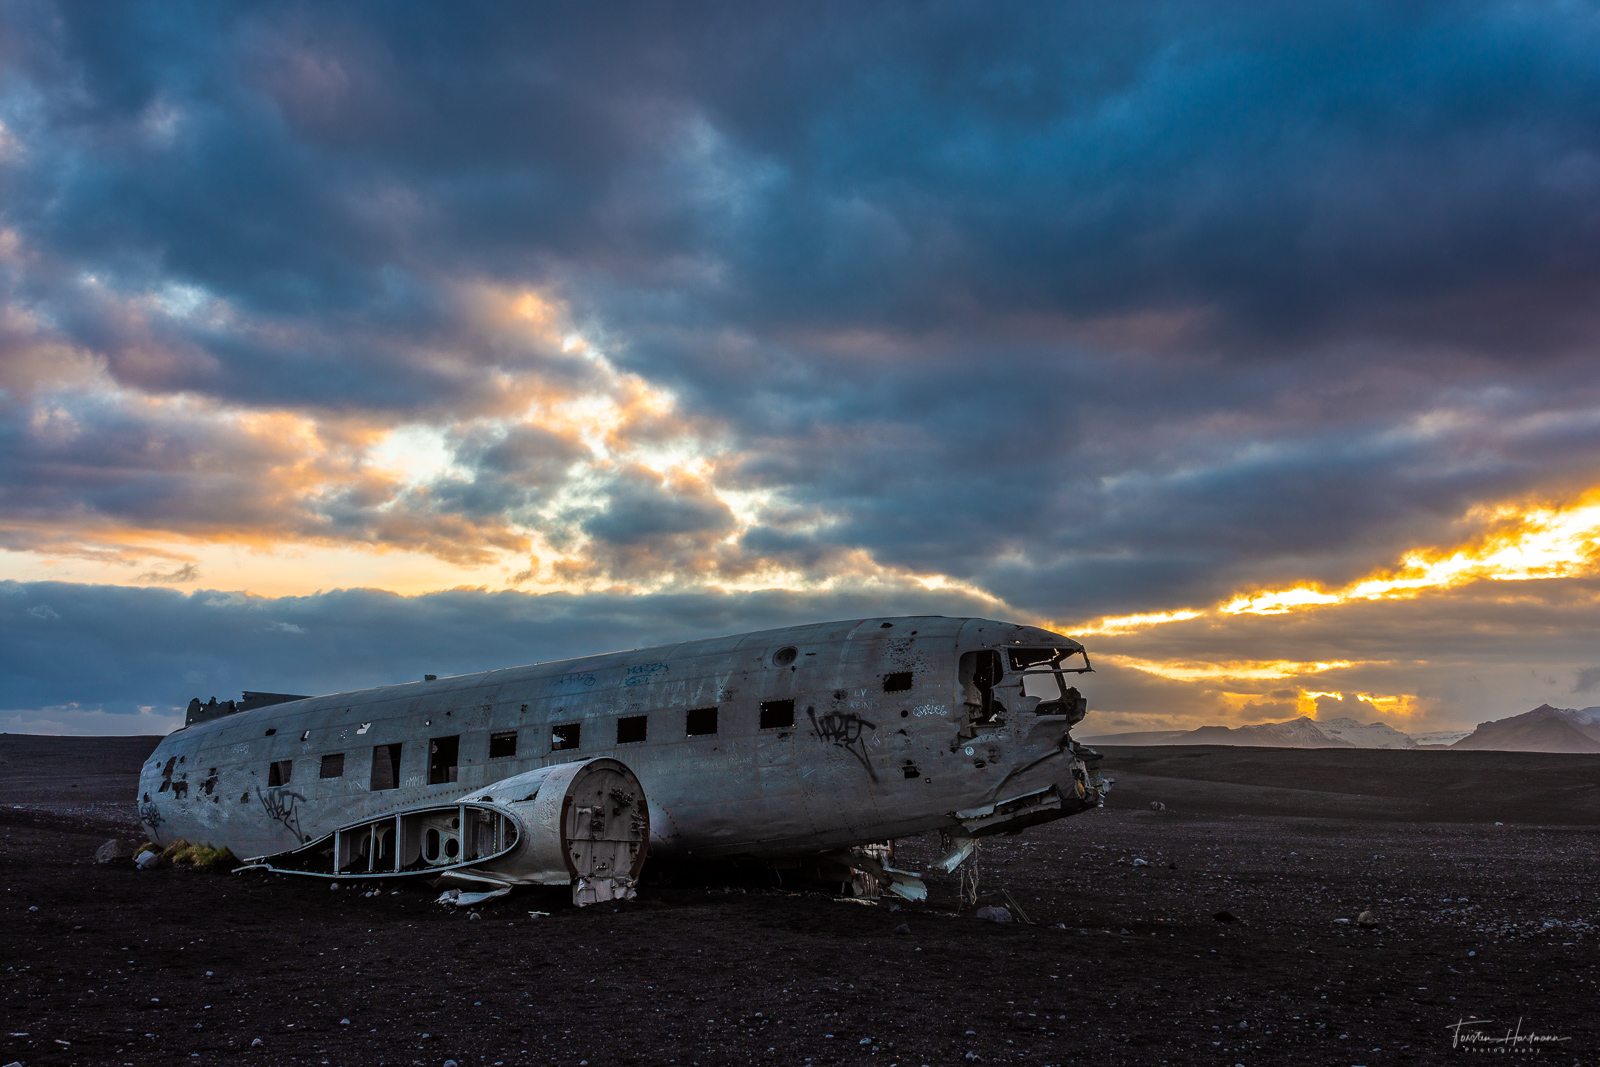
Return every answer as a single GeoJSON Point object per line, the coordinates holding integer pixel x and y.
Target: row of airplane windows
{"type": "Point", "coordinates": [444, 752]}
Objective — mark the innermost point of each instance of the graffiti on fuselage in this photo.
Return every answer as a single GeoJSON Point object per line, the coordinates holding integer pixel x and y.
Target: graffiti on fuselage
{"type": "Point", "coordinates": [641, 673]}
{"type": "Point", "coordinates": [844, 729]}
{"type": "Point", "coordinates": [150, 815]}
{"type": "Point", "coordinates": [280, 806]}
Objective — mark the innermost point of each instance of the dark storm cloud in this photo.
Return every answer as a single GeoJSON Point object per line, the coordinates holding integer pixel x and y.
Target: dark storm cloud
{"type": "Point", "coordinates": [1103, 309]}
{"type": "Point", "coordinates": [1425, 171]}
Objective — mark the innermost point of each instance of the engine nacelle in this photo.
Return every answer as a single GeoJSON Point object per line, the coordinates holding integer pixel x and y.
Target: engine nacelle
{"type": "Point", "coordinates": [584, 824]}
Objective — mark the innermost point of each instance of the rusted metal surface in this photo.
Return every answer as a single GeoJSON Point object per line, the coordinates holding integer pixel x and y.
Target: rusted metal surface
{"type": "Point", "coordinates": [782, 743]}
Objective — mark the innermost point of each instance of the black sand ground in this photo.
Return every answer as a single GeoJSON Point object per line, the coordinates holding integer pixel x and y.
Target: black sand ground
{"type": "Point", "coordinates": [183, 966]}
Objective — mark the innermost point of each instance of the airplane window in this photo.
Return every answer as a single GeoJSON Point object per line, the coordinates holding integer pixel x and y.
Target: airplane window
{"type": "Point", "coordinates": [385, 767]}
{"type": "Point", "coordinates": [280, 772]}
{"type": "Point", "coordinates": [564, 736]}
{"type": "Point", "coordinates": [333, 765]}
{"type": "Point", "coordinates": [701, 721]}
{"type": "Point", "coordinates": [442, 759]}
{"type": "Point", "coordinates": [979, 673]}
{"type": "Point", "coordinates": [777, 714]}
{"type": "Point", "coordinates": [503, 745]}
{"type": "Point", "coordinates": [631, 729]}
{"type": "Point", "coordinates": [1047, 659]}
{"type": "Point", "coordinates": [1023, 658]}
{"type": "Point", "coordinates": [785, 655]}
{"type": "Point", "coordinates": [897, 683]}
{"type": "Point", "coordinates": [1042, 684]}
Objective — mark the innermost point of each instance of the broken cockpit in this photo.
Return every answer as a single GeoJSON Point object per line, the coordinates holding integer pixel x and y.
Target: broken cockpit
{"type": "Point", "coordinates": [1034, 675]}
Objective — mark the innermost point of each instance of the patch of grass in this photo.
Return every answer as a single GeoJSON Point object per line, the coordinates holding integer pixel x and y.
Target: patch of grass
{"type": "Point", "coordinates": [171, 851]}
{"type": "Point", "coordinates": [207, 856]}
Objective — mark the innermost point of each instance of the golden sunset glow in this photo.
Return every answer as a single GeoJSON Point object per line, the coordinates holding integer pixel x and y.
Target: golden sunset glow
{"type": "Point", "coordinates": [1184, 671]}
{"type": "Point", "coordinates": [1402, 706]}
{"type": "Point", "coordinates": [1124, 624]}
{"type": "Point", "coordinates": [1524, 544]}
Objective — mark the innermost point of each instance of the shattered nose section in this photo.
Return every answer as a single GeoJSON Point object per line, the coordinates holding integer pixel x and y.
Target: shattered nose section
{"type": "Point", "coordinates": [1081, 790]}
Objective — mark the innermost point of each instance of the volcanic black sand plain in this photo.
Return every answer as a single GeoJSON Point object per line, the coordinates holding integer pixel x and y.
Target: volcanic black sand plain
{"type": "Point", "coordinates": [1480, 867]}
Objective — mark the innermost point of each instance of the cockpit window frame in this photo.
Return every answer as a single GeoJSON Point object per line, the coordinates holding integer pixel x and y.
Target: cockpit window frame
{"type": "Point", "coordinates": [1061, 655]}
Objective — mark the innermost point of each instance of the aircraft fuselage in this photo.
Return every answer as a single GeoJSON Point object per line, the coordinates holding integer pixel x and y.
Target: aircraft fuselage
{"type": "Point", "coordinates": [767, 744]}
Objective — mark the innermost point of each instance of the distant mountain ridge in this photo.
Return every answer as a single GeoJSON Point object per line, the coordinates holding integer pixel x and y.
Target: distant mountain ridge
{"type": "Point", "coordinates": [1304, 732]}
{"type": "Point", "coordinates": [1544, 729]}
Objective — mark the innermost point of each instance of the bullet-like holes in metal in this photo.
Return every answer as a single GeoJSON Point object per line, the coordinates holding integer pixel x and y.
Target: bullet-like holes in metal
{"type": "Point", "coordinates": [785, 656]}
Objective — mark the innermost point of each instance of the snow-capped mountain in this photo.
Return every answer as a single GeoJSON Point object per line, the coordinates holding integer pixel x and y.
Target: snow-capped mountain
{"type": "Point", "coordinates": [1304, 732]}
{"type": "Point", "coordinates": [1544, 729]}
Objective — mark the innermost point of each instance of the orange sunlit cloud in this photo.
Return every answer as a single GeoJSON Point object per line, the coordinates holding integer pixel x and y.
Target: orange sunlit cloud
{"type": "Point", "coordinates": [1533, 543]}
{"type": "Point", "coordinates": [1182, 671]}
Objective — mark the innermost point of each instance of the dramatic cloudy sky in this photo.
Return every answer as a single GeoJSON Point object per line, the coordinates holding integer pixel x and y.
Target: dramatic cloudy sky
{"type": "Point", "coordinates": [1254, 345]}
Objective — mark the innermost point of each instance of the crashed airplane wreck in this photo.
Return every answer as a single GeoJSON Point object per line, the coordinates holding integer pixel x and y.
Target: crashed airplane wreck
{"type": "Point", "coordinates": [806, 748]}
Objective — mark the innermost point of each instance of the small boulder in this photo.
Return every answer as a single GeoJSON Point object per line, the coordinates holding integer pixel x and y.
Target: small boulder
{"type": "Point", "coordinates": [902, 929]}
{"type": "Point", "coordinates": [1156, 805]}
{"type": "Point", "coordinates": [1367, 918]}
{"type": "Point", "coordinates": [147, 860]}
{"type": "Point", "coordinates": [112, 851]}
{"type": "Point", "coordinates": [994, 913]}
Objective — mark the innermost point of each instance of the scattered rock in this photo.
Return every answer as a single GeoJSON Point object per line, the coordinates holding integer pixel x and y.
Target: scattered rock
{"type": "Point", "coordinates": [1367, 918]}
{"type": "Point", "coordinates": [902, 929]}
{"type": "Point", "coordinates": [1141, 863]}
{"type": "Point", "coordinates": [993, 913]}
{"type": "Point", "coordinates": [1225, 917]}
{"type": "Point", "coordinates": [112, 851]}
{"type": "Point", "coordinates": [255, 1043]}
{"type": "Point", "coordinates": [1156, 805]}
{"type": "Point", "coordinates": [147, 860]}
